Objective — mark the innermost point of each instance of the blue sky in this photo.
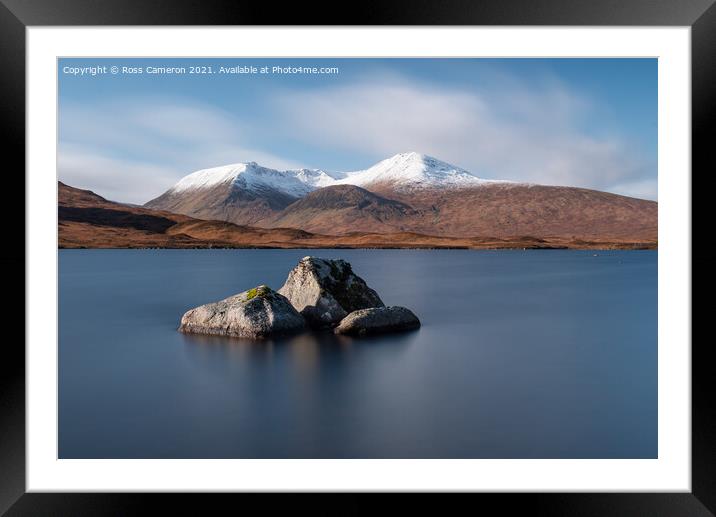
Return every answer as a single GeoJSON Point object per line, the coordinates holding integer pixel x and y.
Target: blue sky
{"type": "Point", "coordinates": [582, 122]}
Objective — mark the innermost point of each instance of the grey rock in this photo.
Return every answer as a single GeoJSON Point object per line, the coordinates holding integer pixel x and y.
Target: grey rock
{"type": "Point", "coordinates": [378, 320]}
{"type": "Point", "coordinates": [256, 313]}
{"type": "Point", "coordinates": [324, 291]}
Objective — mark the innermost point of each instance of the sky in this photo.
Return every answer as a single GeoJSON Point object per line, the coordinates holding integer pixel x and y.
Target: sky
{"type": "Point", "coordinates": [130, 136]}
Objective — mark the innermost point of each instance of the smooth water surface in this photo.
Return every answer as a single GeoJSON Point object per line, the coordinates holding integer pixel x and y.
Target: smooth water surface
{"type": "Point", "coordinates": [522, 354]}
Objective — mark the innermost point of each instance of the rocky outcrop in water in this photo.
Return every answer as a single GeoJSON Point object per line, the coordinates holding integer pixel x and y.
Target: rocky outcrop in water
{"type": "Point", "coordinates": [326, 291]}
{"type": "Point", "coordinates": [319, 293]}
{"type": "Point", "coordinates": [256, 313]}
{"type": "Point", "coordinates": [378, 320]}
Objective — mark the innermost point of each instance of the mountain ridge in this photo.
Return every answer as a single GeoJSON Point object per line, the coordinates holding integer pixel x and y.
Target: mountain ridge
{"type": "Point", "coordinates": [410, 169]}
{"type": "Point", "coordinates": [436, 198]}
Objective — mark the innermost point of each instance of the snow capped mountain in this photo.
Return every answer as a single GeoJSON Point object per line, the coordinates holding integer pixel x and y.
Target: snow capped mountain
{"type": "Point", "coordinates": [248, 193]}
{"type": "Point", "coordinates": [407, 171]}
{"type": "Point", "coordinates": [251, 176]}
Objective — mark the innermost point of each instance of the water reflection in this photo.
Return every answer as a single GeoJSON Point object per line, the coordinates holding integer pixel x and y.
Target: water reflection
{"type": "Point", "coordinates": [304, 352]}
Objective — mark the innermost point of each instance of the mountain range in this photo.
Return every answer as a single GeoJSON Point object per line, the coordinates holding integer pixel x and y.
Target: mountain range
{"type": "Point", "coordinates": [408, 193]}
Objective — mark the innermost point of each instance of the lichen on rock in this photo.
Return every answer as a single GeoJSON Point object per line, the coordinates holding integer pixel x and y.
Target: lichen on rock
{"type": "Point", "coordinates": [260, 291]}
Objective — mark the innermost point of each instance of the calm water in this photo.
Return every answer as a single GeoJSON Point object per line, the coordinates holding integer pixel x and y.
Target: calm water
{"type": "Point", "coordinates": [522, 354]}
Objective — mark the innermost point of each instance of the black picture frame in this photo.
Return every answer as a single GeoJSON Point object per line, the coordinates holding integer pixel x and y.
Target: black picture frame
{"type": "Point", "coordinates": [16, 15]}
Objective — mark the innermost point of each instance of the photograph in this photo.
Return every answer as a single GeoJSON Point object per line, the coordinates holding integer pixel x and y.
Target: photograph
{"type": "Point", "coordinates": [357, 258]}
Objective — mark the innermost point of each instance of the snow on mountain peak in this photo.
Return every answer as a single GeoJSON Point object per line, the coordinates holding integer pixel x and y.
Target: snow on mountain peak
{"type": "Point", "coordinates": [405, 171]}
{"type": "Point", "coordinates": [253, 176]}
{"type": "Point", "coordinates": [207, 178]}
{"type": "Point", "coordinates": [413, 170]}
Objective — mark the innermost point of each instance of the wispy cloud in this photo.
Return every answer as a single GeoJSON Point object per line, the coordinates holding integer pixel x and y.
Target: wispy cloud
{"type": "Point", "coordinates": [505, 132]}
{"type": "Point", "coordinates": [117, 179]}
{"type": "Point", "coordinates": [133, 151]}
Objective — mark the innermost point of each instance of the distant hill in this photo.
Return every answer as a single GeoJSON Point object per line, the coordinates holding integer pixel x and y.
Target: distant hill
{"type": "Point", "coordinates": [86, 220]}
{"type": "Point", "coordinates": [509, 210]}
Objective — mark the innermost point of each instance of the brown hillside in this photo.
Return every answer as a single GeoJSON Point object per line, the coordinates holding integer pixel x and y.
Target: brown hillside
{"type": "Point", "coordinates": [345, 208]}
{"type": "Point", "coordinates": [510, 210]}
{"type": "Point", "coordinates": [86, 220]}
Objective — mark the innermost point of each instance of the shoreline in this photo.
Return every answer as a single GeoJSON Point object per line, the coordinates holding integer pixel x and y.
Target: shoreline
{"type": "Point", "coordinates": [634, 247]}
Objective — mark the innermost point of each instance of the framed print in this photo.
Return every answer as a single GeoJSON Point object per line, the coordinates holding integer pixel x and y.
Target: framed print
{"type": "Point", "coordinates": [443, 251]}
